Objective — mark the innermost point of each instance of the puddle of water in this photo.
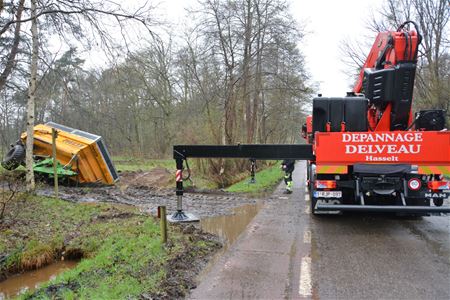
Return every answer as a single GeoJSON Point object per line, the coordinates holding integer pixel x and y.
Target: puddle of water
{"type": "Point", "coordinates": [31, 279]}
{"type": "Point", "coordinates": [230, 227]}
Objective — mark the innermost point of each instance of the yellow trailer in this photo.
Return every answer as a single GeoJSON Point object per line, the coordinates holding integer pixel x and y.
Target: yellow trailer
{"type": "Point", "coordinates": [80, 151]}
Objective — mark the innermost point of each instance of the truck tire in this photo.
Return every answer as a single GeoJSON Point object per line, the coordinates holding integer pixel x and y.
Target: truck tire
{"type": "Point", "coordinates": [438, 202]}
{"type": "Point", "coordinates": [14, 157]}
{"type": "Point", "coordinates": [312, 200]}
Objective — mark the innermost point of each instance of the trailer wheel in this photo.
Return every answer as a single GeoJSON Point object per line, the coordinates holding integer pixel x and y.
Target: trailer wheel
{"type": "Point", "coordinates": [14, 157]}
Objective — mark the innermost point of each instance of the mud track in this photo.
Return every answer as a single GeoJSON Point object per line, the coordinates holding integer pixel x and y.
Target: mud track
{"type": "Point", "coordinates": [143, 189]}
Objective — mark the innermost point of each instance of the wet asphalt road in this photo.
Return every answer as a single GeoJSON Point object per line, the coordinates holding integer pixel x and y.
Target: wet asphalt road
{"type": "Point", "coordinates": [375, 257]}
{"type": "Point", "coordinates": [286, 253]}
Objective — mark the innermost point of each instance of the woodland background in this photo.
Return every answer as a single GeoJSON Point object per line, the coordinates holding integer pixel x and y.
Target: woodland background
{"type": "Point", "coordinates": [236, 74]}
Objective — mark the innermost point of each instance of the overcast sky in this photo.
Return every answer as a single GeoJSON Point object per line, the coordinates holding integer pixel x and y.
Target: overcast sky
{"type": "Point", "coordinates": [328, 22]}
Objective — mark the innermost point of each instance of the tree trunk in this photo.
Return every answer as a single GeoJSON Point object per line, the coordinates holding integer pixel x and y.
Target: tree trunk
{"type": "Point", "coordinates": [31, 99]}
{"type": "Point", "coordinates": [11, 59]}
{"type": "Point", "coordinates": [258, 87]}
{"type": "Point", "coordinates": [230, 111]}
{"type": "Point", "coordinates": [246, 71]}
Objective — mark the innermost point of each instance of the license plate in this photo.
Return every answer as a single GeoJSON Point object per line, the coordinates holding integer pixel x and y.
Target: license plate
{"type": "Point", "coordinates": [328, 194]}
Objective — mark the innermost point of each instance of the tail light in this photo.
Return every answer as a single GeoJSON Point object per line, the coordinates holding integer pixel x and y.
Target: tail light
{"type": "Point", "coordinates": [325, 184]}
{"type": "Point", "coordinates": [439, 185]}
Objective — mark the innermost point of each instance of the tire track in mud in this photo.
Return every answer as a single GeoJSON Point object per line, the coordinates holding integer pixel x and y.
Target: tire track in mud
{"type": "Point", "coordinates": [148, 199]}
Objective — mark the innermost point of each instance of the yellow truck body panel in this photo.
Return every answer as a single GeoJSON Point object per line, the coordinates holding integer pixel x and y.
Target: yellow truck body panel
{"type": "Point", "coordinates": [84, 152]}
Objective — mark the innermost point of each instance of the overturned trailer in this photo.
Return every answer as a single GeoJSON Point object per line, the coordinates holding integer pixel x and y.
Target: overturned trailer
{"type": "Point", "coordinates": [83, 156]}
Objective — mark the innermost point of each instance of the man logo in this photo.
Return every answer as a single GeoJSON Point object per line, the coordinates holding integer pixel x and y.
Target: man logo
{"type": "Point", "coordinates": [436, 195]}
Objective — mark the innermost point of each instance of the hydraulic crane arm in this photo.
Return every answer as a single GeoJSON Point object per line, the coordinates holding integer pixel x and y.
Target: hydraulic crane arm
{"type": "Point", "coordinates": [387, 78]}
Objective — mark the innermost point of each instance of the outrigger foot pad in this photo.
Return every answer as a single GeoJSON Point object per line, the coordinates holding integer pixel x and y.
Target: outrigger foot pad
{"type": "Point", "coordinates": [180, 216]}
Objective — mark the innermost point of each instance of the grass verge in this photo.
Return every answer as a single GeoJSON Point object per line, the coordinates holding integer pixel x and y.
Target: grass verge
{"type": "Point", "coordinates": [122, 253]}
{"type": "Point", "coordinates": [130, 164]}
{"type": "Point", "coordinates": [266, 180]}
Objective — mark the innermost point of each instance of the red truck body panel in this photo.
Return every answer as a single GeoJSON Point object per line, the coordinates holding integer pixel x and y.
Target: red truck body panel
{"type": "Point", "coordinates": [420, 148]}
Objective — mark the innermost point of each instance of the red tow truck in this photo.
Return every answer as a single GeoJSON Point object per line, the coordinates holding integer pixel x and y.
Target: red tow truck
{"type": "Point", "coordinates": [366, 151]}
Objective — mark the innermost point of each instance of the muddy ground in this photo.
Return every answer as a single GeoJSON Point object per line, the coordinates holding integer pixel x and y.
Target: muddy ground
{"type": "Point", "coordinates": [148, 190]}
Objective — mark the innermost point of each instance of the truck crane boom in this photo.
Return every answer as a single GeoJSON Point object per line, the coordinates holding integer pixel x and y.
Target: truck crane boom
{"type": "Point", "coordinates": [387, 78]}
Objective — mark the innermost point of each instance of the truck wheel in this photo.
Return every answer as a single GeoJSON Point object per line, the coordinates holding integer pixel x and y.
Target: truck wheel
{"type": "Point", "coordinates": [438, 202]}
{"type": "Point", "coordinates": [311, 190]}
{"type": "Point", "coordinates": [14, 157]}
{"type": "Point", "coordinates": [313, 203]}
{"type": "Point", "coordinates": [308, 172]}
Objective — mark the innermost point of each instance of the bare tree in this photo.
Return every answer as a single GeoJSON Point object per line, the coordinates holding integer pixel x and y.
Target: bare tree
{"type": "Point", "coordinates": [14, 47]}
{"type": "Point", "coordinates": [247, 39]}
{"type": "Point", "coordinates": [11, 201]}
{"type": "Point", "coordinates": [31, 99]}
{"type": "Point", "coordinates": [433, 85]}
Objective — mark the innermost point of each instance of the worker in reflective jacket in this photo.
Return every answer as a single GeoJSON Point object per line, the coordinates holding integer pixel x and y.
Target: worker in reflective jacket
{"type": "Point", "coordinates": [288, 167]}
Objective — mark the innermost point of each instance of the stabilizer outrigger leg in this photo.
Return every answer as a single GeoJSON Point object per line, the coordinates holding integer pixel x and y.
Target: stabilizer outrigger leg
{"type": "Point", "coordinates": [252, 170]}
{"type": "Point", "coordinates": [180, 215]}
